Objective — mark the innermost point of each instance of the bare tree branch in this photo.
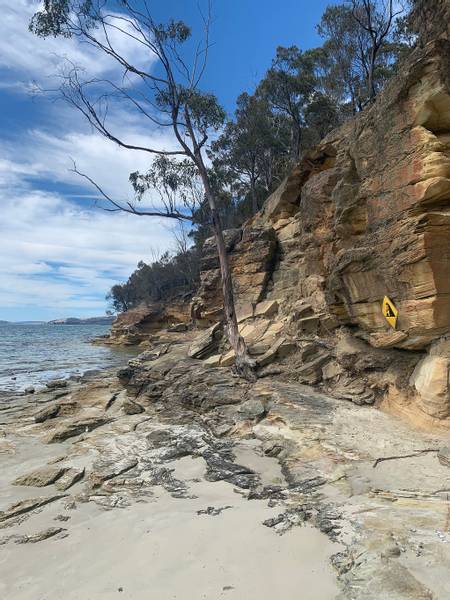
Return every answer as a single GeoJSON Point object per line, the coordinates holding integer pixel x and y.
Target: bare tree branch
{"type": "Point", "coordinates": [126, 206]}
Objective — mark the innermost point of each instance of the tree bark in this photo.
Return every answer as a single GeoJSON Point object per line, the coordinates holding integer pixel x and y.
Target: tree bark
{"type": "Point", "coordinates": [245, 366]}
{"type": "Point", "coordinates": [371, 82]}
{"type": "Point", "coordinates": [296, 141]}
{"type": "Point", "coordinates": [254, 199]}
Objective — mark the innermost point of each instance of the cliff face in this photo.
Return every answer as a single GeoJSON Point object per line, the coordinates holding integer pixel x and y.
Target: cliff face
{"type": "Point", "coordinates": [252, 253]}
{"type": "Point", "coordinates": [368, 211]}
{"type": "Point", "coordinates": [431, 19]}
{"type": "Point", "coordinates": [137, 325]}
{"type": "Point", "coordinates": [366, 214]}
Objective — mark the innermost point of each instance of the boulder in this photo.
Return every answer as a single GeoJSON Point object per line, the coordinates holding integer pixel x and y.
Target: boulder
{"type": "Point", "coordinates": [108, 468]}
{"type": "Point", "coordinates": [41, 477]}
{"type": "Point", "coordinates": [431, 381]}
{"type": "Point", "coordinates": [309, 324]}
{"type": "Point", "coordinates": [258, 348]}
{"type": "Point", "coordinates": [227, 359]}
{"type": "Point", "coordinates": [75, 427]}
{"type": "Point", "coordinates": [212, 361]}
{"type": "Point", "coordinates": [253, 331]}
{"type": "Point", "coordinates": [252, 409]}
{"type": "Point", "coordinates": [311, 372]}
{"type": "Point", "coordinates": [267, 308]}
{"type": "Point", "coordinates": [281, 347]}
{"type": "Point", "coordinates": [244, 312]}
{"type": "Point", "coordinates": [206, 343]}
{"type": "Point", "coordinates": [70, 478]}
{"type": "Point", "coordinates": [300, 310]}
{"type": "Point", "coordinates": [274, 329]}
{"type": "Point", "coordinates": [56, 384]}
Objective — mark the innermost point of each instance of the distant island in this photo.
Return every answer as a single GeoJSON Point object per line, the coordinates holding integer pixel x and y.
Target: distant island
{"type": "Point", "coordinates": [106, 320]}
{"type": "Point", "coordinates": [21, 322]}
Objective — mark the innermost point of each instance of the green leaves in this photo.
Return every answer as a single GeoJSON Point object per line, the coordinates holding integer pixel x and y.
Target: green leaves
{"type": "Point", "coordinates": [175, 182]}
{"type": "Point", "coordinates": [54, 17]}
{"type": "Point", "coordinates": [204, 110]}
{"type": "Point", "coordinates": [51, 19]}
{"type": "Point", "coordinates": [176, 31]}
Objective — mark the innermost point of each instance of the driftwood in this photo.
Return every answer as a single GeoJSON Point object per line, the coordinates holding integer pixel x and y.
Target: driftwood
{"type": "Point", "coordinates": [417, 453]}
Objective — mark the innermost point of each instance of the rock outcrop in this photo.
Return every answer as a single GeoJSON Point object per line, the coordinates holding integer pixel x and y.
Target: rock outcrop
{"type": "Point", "coordinates": [252, 255]}
{"type": "Point", "coordinates": [355, 223]}
{"type": "Point", "coordinates": [137, 324]}
{"type": "Point", "coordinates": [363, 216]}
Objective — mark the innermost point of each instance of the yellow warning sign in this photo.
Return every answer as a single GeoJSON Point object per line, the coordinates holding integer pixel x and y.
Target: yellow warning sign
{"type": "Point", "coordinates": [390, 312]}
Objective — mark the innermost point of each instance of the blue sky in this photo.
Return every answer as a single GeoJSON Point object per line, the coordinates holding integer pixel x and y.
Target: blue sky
{"type": "Point", "coordinates": [59, 254]}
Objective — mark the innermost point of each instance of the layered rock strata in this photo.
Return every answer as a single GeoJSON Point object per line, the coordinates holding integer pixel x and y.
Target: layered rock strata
{"type": "Point", "coordinates": [137, 324]}
{"type": "Point", "coordinates": [364, 215]}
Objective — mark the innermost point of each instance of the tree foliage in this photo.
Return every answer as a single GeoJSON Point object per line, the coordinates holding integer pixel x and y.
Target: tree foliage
{"type": "Point", "coordinates": [302, 96]}
{"type": "Point", "coordinates": [170, 276]}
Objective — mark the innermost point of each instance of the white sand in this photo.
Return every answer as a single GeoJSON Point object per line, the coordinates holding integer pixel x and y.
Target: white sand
{"type": "Point", "coordinates": [163, 550]}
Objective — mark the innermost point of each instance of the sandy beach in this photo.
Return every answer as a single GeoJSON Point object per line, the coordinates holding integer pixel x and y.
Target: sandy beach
{"type": "Point", "coordinates": [210, 543]}
{"type": "Point", "coordinates": [196, 484]}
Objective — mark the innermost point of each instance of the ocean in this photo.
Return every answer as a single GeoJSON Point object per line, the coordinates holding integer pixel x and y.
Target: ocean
{"type": "Point", "coordinates": [31, 354]}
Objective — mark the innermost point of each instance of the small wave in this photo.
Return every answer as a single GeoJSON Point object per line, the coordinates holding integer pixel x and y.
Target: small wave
{"type": "Point", "coordinates": [31, 355]}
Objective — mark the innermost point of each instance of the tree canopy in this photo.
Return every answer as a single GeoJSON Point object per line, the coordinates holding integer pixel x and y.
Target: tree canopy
{"type": "Point", "coordinates": [303, 95]}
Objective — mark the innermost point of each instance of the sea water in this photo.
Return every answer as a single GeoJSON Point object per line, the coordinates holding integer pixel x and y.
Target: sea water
{"type": "Point", "coordinates": [31, 354]}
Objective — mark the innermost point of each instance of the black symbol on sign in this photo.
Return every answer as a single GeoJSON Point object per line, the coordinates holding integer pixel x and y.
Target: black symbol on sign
{"type": "Point", "coordinates": [389, 312]}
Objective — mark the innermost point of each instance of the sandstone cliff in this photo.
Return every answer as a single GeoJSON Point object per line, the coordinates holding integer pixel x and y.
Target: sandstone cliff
{"type": "Point", "coordinates": [364, 215]}
{"type": "Point", "coordinates": [137, 325]}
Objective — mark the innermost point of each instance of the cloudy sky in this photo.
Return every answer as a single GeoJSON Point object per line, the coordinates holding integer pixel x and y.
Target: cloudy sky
{"type": "Point", "coordinates": [59, 253]}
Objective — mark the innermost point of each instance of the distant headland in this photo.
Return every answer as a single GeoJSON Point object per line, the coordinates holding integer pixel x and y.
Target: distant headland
{"type": "Point", "coordinates": [104, 320]}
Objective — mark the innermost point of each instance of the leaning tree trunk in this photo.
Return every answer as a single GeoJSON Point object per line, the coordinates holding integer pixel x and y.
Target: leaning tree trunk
{"type": "Point", "coordinates": [245, 365]}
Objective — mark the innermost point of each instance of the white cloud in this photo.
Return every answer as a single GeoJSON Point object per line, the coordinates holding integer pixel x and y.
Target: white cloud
{"type": "Point", "coordinates": [29, 58]}
{"type": "Point", "coordinates": [58, 254]}
{"type": "Point", "coordinates": [55, 255]}
{"type": "Point", "coordinates": [50, 155]}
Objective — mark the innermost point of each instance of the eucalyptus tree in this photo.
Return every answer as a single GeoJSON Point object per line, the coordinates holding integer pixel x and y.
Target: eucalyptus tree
{"type": "Point", "coordinates": [242, 148]}
{"type": "Point", "coordinates": [343, 56]}
{"type": "Point", "coordinates": [377, 20]}
{"type": "Point", "coordinates": [166, 93]}
{"type": "Point", "coordinates": [288, 86]}
{"type": "Point", "coordinates": [121, 297]}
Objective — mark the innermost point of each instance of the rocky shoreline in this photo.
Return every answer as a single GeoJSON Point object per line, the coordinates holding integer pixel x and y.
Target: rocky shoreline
{"type": "Point", "coordinates": [179, 478]}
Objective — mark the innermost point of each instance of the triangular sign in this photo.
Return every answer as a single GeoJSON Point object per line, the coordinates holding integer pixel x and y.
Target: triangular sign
{"type": "Point", "coordinates": [390, 312]}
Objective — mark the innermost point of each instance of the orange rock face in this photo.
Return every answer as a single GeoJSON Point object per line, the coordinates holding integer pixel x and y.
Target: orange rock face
{"type": "Point", "coordinates": [364, 215]}
{"type": "Point", "coordinates": [137, 324]}
{"type": "Point", "coordinates": [367, 212]}
{"type": "Point", "coordinates": [251, 254]}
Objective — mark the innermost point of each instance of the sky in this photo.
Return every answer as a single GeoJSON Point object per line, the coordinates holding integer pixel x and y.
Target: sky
{"type": "Point", "coordinates": [59, 252]}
